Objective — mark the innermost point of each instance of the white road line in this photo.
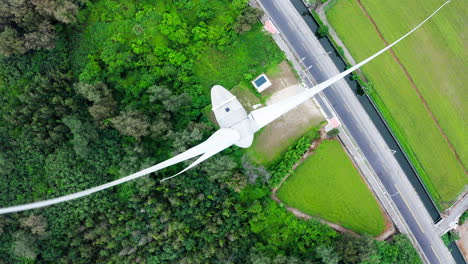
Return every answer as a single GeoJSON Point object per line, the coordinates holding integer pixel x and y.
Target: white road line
{"type": "Point", "coordinates": [372, 147]}
{"type": "Point", "coordinates": [290, 25]}
{"type": "Point", "coordinates": [304, 45]}
{"type": "Point", "coordinates": [404, 200]}
{"type": "Point", "coordinates": [386, 169]}
{"type": "Point", "coordinates": [436, 254]}
{"type": "Point", "coordinates": [346, 107]}
{"type": "Point", "coordinates": [274, 3]}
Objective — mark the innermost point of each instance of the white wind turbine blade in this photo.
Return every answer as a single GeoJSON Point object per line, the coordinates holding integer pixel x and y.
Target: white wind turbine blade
{"type": "Point", "coordinates": [219, 141]}
{"type": "Point", "coordinates": [268, 114]}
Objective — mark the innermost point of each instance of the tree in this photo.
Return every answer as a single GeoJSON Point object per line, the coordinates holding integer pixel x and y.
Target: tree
{"type": "Point", "coordinates": [83, 134]}
{"type": "Point", "coordinates": [322, 31]}
{"type": "Point", "coordinates": [463, 218]}
{"type": "Point", "coordinates": [204, 10]}
{"type": "Point", "coordinates": [406, 252]}
{"type": "Point", "coordinates": [93, 92]}
{"type": "Point", "coordinates": [450, 236]}
{"type": "Point", "coordinates": [245, 21]}
{"type": "Point", "coordinates": [259, 259]}
{"type": "Point", "coordinates": [171, 102]}
{"type": "Point", "coordinates": [6, 165]}
{"type": "Point", "coordinates": [104, 109]}
{"type": "Point", "coordinates": [24, 245]}
{"type": "Point", "coordinates": [253, 171]}
{"type": "Point", "coordinates": [104, 105]}
{"type": "Point", "coordinates": [160, 125]}
{"type": "Point", "coordinates": [45, 101]}
{"type": "Point", "coordinates": [10, 43]}
{"type": "Point", "coordinates": [174, 28]}
{"type": "Point", "coordinates": [355, 250]}
{"type": "Point", "coordinates": [199, 33]}
{"type": "Point", "coordinates": [327, 254]}
{"type": "Point", "coordinates": [333, 133]}
{"type": "Point", "coordinates": [28, 25]}
{"type": "Point", "coordinates": [36, 224]}
{"type": "Point", "coordinates": [42, 38]}
{"type": "Point", "coordinates": [219, 168]}
{"type": "Point", "coordinates": [131, 123]}
{"type": "Point", "coordinates": [191, 135]}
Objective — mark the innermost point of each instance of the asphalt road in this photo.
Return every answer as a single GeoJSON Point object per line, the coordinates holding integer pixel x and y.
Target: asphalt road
{"type": "Point", "coordinates": [362, 129]}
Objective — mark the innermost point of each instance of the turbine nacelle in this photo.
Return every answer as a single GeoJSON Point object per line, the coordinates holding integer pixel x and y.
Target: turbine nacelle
{"type": "Point", "coordinates": [230, 113]}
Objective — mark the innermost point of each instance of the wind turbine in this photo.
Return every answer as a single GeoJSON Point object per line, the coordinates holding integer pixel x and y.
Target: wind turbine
{"type": "Point", "coordinates": [237, 128]}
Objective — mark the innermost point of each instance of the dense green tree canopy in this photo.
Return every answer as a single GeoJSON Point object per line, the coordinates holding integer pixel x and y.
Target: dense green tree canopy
{"type": "Point", "coordinates": [29, 24]}
{"type": "Point", "coordinates": [93, 92]}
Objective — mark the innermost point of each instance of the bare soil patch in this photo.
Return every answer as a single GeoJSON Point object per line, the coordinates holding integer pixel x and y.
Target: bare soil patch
{"type": "Point", "coordinates": [281, 77]}
{"type": "Point", "coordinates": [279, 135]}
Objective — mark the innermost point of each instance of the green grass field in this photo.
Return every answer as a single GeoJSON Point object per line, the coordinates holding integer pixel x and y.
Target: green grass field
{"type": "Point", "coordinates": [435, 58]}
{"type": "Point", "coordinates": [327, 185]}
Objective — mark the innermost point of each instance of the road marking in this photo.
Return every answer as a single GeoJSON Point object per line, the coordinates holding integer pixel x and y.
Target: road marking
{"type": "Point", "coordinates": [436, 254]}
{"type": "Point", "coordinates": [290, 25]}
{"type": "Point", "coordinates": [274, 3]}
{"type": "Point", "coordinates": [404, 200]}
{"type": "Point", "coordinates": [386, 169]}
{"type": "Point", "coordinates": [346, 107]}
{"type": "Point", "coordinates": [372, 147]}
{"type": "Point", "coordinates": [320, 67]}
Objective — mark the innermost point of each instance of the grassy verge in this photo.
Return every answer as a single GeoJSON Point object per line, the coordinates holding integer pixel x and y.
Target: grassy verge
{"type": "Point", "coordinates": [262, 153]}
{"type": "Point", "coordinates": [400, 104]}
{"type": "Point", "coordinates": [327, 185]}
{"type": "Point", "coordinates": [253, 53]}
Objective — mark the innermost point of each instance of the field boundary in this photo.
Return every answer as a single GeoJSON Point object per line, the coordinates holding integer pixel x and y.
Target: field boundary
{"type": "Point", "coordinates": [299, 214]}
{"type": "Point", "coordinates": [389, 226]}
{"type": "Point", "coordinates": [415, 87]}
{"type": "Point", "coordinates": [315, 143]}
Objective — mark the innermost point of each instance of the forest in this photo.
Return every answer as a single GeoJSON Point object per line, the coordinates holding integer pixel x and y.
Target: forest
{"type": "Point", "coordinates": [91, 91]}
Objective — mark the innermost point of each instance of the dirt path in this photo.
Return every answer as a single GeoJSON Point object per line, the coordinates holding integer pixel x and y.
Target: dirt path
{"type": "Point", "coordinates": [413, 84]}
{"type": "Point", "coordinates": [305, 216]}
